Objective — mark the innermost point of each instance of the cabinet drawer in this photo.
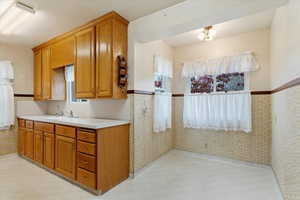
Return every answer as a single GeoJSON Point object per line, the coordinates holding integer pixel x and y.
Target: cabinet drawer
{"type": "Point", "coordinates": [65, 131]}
{"type": "Point", "coordinates": [21, 123]}
{"type": "Point", "coordinates": [87, 148]}
{"type": "Point", "coordinates": [29, 124]}
{"type": "Point", "coordinates": [86, 162]}
{"type": "Point", "coordinates": [86, 136]}
{"type": "Point", "coordinates": [86, 178]}
{"type": "Point", "coordinates": [46, 127]}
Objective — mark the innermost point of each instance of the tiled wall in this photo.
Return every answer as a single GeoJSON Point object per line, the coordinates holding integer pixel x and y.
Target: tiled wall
{"type": "Point", "coordinates": [8, 141]}
{"type": "Point", "coordinates": [23, 106]}
{"type": "Point", "coordinates": [253, 147]}
{"type": "Point", "coordinates": [148, 146]}
{"type": "Point", "coordinates": [286, 141]}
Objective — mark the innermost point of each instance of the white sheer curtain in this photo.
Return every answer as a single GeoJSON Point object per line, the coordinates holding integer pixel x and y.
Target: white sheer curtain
{"type": "Point", "coordinates": [162, 112]}
{"type": "Point", "coordinates": [7, 108]}
{"type": "Point", "coordinates": [227, 112]}
{"type": "Point", "coordinates": [69, 76]}
{"type": "Point", "coordinates": [219, 110]}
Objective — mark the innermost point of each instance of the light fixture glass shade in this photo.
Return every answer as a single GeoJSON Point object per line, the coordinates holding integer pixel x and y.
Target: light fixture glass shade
{"type": "Point", "coordinates": [13, 18]}
{"type": "Point", "coordinates": [201, 36]}
{"type": "Point", "coordinates": [207, 33]}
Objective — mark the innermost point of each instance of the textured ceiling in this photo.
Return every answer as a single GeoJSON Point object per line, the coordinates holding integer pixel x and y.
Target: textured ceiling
{"type": "Point", "coordinates": [54, 17]}
{"type": "Point", "coordinates": [233, 27]}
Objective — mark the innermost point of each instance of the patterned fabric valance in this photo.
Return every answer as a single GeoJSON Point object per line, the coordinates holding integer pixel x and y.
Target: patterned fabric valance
{"type": "Point", "coordinates": [244, 62]}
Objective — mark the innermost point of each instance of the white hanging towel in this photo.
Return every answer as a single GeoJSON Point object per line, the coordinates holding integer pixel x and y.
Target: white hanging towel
{"type": "Point", "coordinates": [162, 113]}
{"type": "Point", "coordinates": [7, 107]}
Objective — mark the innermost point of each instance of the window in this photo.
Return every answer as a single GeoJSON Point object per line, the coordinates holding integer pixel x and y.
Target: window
{"type": "Point", "coordinates": [162, 83]}
{"type": "Point", "coordinates": [203, 84]}
{"type": "Point", "coordinates": [221, 83]}
{"type": "Point", "coordinates": [230, 82]}
{"type": "Point", "coordinates": [70, 85]}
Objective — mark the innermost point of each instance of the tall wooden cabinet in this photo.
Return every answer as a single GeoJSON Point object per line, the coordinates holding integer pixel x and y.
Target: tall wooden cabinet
{"type": "Point", "coordinates": [93, 49]}
{"type": "Point", "coordinates": [85, 63]}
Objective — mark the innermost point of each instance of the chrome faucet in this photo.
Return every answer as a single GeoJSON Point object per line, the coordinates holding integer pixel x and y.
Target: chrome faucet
{"type": "Point", "coordinates": [59, 112]}
{"type": "Point", "coordinates": [71, 114]}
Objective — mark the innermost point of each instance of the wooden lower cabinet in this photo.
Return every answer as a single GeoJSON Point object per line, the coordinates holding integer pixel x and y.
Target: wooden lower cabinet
{"type": "Point", "coordinates": [86, 178]}
{"type": "Point", "coordinates": [65, 156]}
{"type": "Point", "coordinates": [38, 146]}
{"type": "Point", "coordinates": [49, 144]}
{"type": "Point", "coordinates": [21, 138]}
{"type": "Point", "coordinates": [98, 159]}
{"type": "Point", "coordinates": [28, 144]}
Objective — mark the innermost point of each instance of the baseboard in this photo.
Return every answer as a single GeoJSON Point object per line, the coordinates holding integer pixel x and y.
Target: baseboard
{"type": "Point", "coordinates": [278, 183]}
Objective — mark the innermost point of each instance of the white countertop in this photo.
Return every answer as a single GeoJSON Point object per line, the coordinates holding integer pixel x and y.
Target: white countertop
{"type": "Point", "coordinates": [91, 123]}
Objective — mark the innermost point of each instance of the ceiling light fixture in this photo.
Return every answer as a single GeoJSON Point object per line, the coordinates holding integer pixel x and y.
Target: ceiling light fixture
{"type": "Point", "coordinates": [14, 16]}
{"type": "Point", "coordinates": [207, 33]}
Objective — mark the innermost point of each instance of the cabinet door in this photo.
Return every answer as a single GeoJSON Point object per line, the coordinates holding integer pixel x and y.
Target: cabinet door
{"type": "Point", "coordinates": [21, 142]}
{"type": "Point", "coordinates": [104, 69]}
{"type": "Point", "coordinates": [46, 74]}
{"type": "Point", "coordinates": [62, 53]}
{"type": "Point", "coordinates": [38, 75]}
{"type": "Point", "coordinates": [85, 64]}
{"type": "Point", "coordinates": [65, 152]}
{"type": "Point", "coordinates": [49, 150]}
{"type": "Point", "coordinates": [38, 146]}
{"type": "Point", "coordinates": [28, 145]}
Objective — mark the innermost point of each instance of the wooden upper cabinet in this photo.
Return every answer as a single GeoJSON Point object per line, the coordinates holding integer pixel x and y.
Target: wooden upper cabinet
{"type": "Point", "coordinates": [37, 75]}
{"type": "Point", "coordinates": [93, 49]}
{"type": "Point", "coordinates": [85, 63]}
{"type": "Point", "coordinates": [119, 49]}
{"type": "Point", "coordinates": [104, 59]}
{"type": "Point", "coordinates": [63, 53]}
{"type": "Point", "coordinates": [46, 74]}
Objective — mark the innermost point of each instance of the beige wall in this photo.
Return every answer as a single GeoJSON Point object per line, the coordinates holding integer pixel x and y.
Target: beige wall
{"type": "Point", "coordinates": [253, 147]}
{"type": "Point", "coordinates": [148, 146]}
{"type": "Point", "coordinates": [257, 42]}
{"type": "Point", "coordinates": [22, 59]}
{"type": "Point", "coordinates": [285, 51]}
{"type": "Point", "coordinates": [144, 69]}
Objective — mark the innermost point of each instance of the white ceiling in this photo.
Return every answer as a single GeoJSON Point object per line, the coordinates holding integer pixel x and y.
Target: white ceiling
{"type": "Point", "coordinates": [233, 27]}
{"type": "Point", "coordinates": [54, 17]}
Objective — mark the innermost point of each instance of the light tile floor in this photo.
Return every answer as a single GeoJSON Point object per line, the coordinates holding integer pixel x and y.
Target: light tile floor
{"type": "Point", "coordinates": [177, 175]}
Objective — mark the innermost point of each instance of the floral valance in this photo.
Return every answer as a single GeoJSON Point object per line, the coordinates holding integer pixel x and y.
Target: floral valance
{"type": "Point", "coordinates": [163, 67]}
{"type": "Point", "coordinates": [244, 62]}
